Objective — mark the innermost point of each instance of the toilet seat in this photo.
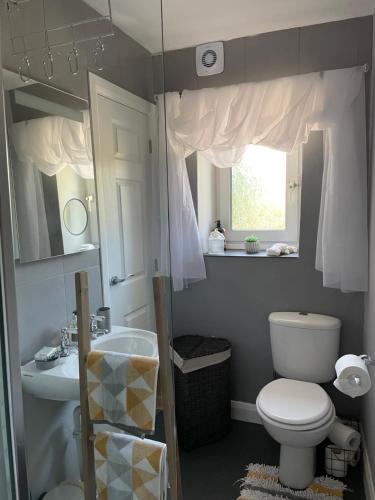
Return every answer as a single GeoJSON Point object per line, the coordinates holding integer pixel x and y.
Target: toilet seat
{"type": "Point", "coordinates": [299, 428]}
{"type": "Point", "coordinates": [295, 405]}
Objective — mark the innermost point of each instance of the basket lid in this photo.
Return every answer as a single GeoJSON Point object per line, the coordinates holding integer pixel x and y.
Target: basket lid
{"type": "Point", "coordinates": [196, 346]}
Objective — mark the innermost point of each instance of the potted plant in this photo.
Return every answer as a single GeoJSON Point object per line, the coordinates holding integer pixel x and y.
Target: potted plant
{"type": "Point", "coordinates": [252, 244]}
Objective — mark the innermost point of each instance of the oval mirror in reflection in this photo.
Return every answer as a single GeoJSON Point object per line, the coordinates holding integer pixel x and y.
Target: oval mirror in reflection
{"type": "Point", "coordinates": [75, 216]}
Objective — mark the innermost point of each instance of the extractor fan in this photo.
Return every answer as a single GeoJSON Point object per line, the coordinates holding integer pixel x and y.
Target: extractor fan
{"type": "Point", "coordinates": [210, 59]}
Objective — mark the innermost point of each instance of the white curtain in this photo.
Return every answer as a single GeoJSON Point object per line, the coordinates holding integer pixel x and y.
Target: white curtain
{"type": "Point", "coordinates": [31, 211]}
{"type": "Point", "coordinates": [180, 241]}
{"type": "Point", "coordinates": [53, 143]}
{"type": "Point", "coordinates": [221, 122]}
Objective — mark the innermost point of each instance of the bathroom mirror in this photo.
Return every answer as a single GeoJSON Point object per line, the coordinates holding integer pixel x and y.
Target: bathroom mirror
{"type": "Point", "coordinates": [52, 170]}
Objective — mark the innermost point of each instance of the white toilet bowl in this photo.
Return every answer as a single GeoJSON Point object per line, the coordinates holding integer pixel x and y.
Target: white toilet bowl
{"type": "Point", "coordinates": [298, 415]}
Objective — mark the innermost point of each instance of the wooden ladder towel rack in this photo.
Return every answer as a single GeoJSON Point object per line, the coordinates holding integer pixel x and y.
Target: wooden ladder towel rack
{"type": "Point", "coordinates": [165, 386]}
{"type": "Point", "coordinates": [84, 347]}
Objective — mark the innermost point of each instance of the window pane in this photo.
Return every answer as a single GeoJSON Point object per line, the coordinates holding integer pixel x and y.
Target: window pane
{"type": "Point", "coordinates": [259, 190]}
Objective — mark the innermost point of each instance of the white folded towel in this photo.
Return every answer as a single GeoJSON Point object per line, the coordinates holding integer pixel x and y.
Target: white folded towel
{"type": "Point", "coordinates": [281, 249]}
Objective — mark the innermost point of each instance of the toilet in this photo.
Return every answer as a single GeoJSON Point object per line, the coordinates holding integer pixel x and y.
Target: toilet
{"type": "Point", "coordinates": [295, 410]}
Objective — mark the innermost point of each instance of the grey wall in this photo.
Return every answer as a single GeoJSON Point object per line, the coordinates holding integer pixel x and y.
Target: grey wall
{"type": "Point", "coordinates": [127, 63]}
{"type": "Point", "coordinates": [45, 290]}
{"type": "Point", "coordinates": [369, 330]}
{"type": "Point", "coordinates": [272, 55]}
{"type": "Point", "coordinates": [239, 293]}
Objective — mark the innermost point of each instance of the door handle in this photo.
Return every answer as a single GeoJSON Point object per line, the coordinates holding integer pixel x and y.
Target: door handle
{"type": "Point", "coordinates": [115, 280]}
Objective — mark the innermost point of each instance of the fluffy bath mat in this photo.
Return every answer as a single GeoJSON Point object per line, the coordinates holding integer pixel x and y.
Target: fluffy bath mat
{"type": "Point", "coordinates": [261, 483]}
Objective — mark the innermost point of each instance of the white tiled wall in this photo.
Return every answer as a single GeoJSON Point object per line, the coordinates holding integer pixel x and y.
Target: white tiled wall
{"type": "Point", "coordinates": [46, 297]}
{"type": "Point", "coordinates": [45, 300]}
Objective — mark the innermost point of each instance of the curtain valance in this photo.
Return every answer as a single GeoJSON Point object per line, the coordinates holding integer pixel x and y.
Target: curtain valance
{"type": "Point", "coordinates": [222, 122]}
{"type": "Point", "coordinates": [53, 143]}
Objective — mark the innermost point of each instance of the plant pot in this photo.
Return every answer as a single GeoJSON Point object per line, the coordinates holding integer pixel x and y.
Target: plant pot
{"type": "Point", "coordinates": [252, 246]}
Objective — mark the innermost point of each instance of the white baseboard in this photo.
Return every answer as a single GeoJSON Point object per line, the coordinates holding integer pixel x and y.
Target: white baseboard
{"type": "Point", "coordinates": [246, 412]}
{"type": "Point", "coordinates": [368, 480]}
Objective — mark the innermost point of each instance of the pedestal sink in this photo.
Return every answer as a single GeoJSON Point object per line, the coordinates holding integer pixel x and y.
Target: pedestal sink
{"type": "Point", "coordinates": [62, 382]}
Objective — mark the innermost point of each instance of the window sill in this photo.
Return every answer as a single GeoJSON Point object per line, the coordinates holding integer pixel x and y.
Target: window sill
{"type": "Point", "coordinates": [242, 253]}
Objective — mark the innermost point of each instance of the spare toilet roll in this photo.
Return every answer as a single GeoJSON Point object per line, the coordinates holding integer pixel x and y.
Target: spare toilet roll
{"type": "Point", "coordinates": [353, 378]}
{"type": "Point", "coordinates": [344, 436]}
{"type": "Point", "coordinates": [354, 457]}
{"type": "Point", "coordinates": [336, 464]}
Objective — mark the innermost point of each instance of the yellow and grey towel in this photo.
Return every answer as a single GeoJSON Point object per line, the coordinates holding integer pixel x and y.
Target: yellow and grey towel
{"type": "Point", "coordinates": [130, 468]}
{"type": "Point", "coordinates": [122, 389]}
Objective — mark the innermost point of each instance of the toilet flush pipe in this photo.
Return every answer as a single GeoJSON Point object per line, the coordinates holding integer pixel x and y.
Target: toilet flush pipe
{"type": "Point", "coordinates": [77, 436]}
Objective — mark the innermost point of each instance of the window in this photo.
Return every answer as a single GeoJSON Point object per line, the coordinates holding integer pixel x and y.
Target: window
{"type": "Point", "coordinates": [261, 196]}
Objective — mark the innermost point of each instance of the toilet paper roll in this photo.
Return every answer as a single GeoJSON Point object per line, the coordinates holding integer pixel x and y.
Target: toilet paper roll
{"type": "Point", "coordinates": [355, 457]}
{"type": "Point", "coordinates": [353, 378]}
{"type": "Point", "coordinates": [344, 437]}
{"type": "Point", "coordinates": [335, 462]}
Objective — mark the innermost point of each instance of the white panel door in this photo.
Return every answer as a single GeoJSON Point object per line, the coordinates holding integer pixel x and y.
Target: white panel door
{"type": "Point", "coordinates": [124, 181]}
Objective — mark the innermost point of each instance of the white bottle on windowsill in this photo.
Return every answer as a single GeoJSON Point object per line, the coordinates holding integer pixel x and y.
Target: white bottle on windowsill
{"type": "Point", "coordinates": [216, 242]}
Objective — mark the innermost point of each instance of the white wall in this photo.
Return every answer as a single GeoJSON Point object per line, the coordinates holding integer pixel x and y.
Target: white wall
{"type": "Point", "coordinates": [45, 300]}
{"type": "Point", "coordinates": [206, 199]}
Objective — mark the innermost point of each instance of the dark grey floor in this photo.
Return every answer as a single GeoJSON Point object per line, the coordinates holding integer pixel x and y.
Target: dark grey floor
{"type": "Point", "coordinates": [211, 472]}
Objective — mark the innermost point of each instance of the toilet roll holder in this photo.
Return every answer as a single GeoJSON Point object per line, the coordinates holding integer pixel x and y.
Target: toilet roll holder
{"type": "Point", "coordinates": [368, 361]}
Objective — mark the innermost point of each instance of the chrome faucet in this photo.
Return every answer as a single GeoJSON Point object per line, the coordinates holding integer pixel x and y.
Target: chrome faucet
{"type": "Point", "coordinates": [67, 333]}
{"type": "Point", "coordinates": [94, 330]}
{"type": "Point", "coordinates": [64, 343]}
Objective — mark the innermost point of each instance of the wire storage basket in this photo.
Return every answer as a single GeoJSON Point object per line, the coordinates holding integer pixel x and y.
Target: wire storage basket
{"type": "Point", "coordinates": [338, 460]}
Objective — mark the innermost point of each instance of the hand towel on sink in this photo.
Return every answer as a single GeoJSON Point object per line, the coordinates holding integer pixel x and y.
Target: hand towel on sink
{"type": "Point", "coordinates": [130, 468]}
{"type": "Point", "coordinates": [122, 389]}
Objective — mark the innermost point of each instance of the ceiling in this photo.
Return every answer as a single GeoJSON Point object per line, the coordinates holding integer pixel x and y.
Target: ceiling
{"type": "Point", "coordinates": [191, 22]}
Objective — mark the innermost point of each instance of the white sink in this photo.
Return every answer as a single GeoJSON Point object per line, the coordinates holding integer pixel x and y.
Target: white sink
{"type": "Point", "coordinates": [62, 382]}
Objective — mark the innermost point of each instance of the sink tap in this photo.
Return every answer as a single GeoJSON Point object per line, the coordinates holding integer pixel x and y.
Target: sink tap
{"type": "Point", "coordinates": [94, 330]}
{"type": "Point", "coordinates": [72, 333]}
{"type": "Point", "coordinates": [64, 343]}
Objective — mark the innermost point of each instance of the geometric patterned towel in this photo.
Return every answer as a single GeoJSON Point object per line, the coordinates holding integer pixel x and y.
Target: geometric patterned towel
{"type": "Point", "coordinates": [122, 389]}
{"type": "Point", "coordinates": [130, 468]}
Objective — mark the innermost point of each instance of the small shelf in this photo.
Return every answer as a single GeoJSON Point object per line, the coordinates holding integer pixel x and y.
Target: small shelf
{"type": "Point", "coordinates": [242, 253]}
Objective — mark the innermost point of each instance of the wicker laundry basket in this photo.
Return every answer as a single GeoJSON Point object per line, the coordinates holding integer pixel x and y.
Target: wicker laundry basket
{"type": "Point", "coordinates": [202, 386]}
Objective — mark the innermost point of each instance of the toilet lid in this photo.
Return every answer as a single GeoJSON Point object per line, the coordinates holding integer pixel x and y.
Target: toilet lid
{"type": "Point", "coordinates": [294, 402]}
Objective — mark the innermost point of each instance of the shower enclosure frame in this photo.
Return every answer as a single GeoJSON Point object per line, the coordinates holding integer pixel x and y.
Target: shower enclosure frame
{"type": "Point", "coordinates": [9, 323]}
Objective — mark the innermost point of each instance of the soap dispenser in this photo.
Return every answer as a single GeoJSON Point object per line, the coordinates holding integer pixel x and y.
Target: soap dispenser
{"type": "Point", "coordinates": [221, 230]}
